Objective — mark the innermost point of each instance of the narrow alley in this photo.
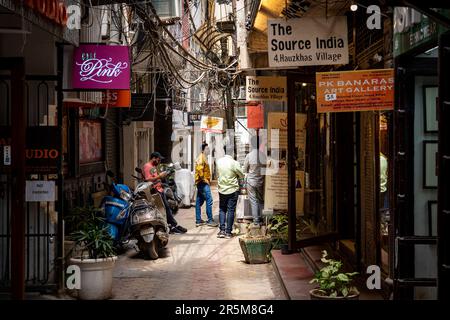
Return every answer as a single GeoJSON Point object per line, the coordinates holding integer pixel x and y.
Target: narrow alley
{"type": "Point", "coordinates": [196, 266]}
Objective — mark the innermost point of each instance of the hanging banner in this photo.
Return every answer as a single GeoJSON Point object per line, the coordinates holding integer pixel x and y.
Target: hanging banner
{"type": "Point", "coordinates": [307, 41]}
{"type": "Point", "coordinates": [211, 124]}
{"type": "Point", "coordinates": [362, 90]}
{"type": "Point", "coordinates": [276, 183]}
{"type": "Point", "coordinates": [255, 116]}
{"type": "Point", "coordinates": [101, 67]}
{"type": "Point", "coordinates": [266, 89]}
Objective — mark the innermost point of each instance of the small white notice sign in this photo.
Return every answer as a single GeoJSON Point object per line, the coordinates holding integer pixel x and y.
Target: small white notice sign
{"type": "Point", "coordinates": [7, 155]}
{"type": "Point", "coordinates": [38, 190]}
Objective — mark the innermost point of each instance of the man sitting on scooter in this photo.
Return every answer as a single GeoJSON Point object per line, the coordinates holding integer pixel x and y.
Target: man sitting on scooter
{"type": "Point", "coordinates": [151, 174]}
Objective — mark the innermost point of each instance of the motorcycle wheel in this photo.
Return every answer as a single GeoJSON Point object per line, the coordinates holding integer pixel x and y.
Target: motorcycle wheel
{"type": "Point", "coordinates": [151, 249]}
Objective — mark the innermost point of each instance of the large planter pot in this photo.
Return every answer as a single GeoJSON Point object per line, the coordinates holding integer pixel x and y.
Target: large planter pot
{"type": "Point", "coordinates": [96, 277]}
{"type": "Point", "coordinates": [315, 295]}
{"type": "Point", "coordinates": [256, 250]}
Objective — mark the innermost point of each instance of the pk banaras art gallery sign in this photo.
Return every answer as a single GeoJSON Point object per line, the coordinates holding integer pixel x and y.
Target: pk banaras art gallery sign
{"type": "Point", "coordinates": [361, 90]}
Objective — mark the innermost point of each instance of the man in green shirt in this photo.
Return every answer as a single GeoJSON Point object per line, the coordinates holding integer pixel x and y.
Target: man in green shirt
{"type": "Point", "coordinates": [229, 171]}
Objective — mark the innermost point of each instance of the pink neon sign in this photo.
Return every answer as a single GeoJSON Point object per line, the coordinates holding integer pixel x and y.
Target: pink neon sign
{"type": "Point", "coordinates": [101, 67]}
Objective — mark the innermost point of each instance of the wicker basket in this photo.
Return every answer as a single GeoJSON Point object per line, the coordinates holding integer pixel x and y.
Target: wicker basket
{"type": "Point", "coordinates": [256, 250]}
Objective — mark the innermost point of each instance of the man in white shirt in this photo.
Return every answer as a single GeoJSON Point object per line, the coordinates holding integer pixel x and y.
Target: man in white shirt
{"type": "Point", "coordinates": [254, 166]}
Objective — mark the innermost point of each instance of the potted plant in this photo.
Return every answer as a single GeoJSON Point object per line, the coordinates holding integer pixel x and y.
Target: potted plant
{"type": "Point", "coordinates": [96, 256]}
{"type": "Point", "coordinates": [278, 229]}
{"type": "Point", "coordinates": [256, 245]}
{"type": "Point", "coordinates": [333, 284]}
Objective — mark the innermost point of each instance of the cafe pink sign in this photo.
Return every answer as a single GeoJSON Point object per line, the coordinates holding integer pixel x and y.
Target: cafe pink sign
{"type": "Point", "coordinates": [101, 67]}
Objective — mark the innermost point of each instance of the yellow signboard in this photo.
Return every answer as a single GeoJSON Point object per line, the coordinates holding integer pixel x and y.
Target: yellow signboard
{"type": "Point", "coordinates": [266, 89]}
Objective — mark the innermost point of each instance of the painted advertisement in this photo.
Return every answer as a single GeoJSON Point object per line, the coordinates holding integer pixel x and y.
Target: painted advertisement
{"type": "Point", "coordinates": [307, 41]}
{"type": "Point", "coordinates": [348, 91]}
{"type": "Point", "coordinates": [276, 183]}
{"type": "Point", "coordinates": [101, 67]}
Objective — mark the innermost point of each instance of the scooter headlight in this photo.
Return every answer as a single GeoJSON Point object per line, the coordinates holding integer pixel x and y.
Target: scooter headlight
{"type": "Point", "coordinates": [125, 195]}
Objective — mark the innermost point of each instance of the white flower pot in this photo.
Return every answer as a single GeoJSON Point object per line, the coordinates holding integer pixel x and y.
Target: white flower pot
{"type": "Point", "coordinates": [96, 277]}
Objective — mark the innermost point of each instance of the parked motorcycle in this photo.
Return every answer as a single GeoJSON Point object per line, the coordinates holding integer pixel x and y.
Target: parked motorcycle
{"type": "Point", "coordinates": [168, 184]}
{"type": "Point", "coordinates": [170, 187]}
{"type": "Point", "coordinates": [131, 215]}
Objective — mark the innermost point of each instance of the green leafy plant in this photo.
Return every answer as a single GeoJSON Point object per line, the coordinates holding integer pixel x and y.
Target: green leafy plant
{"type": "Point", "coordinates": [278, 229]}
{"type": "Point", "coordinates": [332, 282]}
{"type": "Point", "coordinates": [91, 234]}
{"type": "Point", "coordinates": [311, 224]}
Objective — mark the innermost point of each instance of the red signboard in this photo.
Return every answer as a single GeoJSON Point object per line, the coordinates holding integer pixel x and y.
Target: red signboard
{"type": "Point", "coordinates": [116, 98]}
{"type": "Point", "coordinates": [52, 9]}
{"type": "Point", "coordinates": [255, 116]}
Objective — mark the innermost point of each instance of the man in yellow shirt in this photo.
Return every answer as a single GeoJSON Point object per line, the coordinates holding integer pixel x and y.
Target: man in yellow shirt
{"type": "Point", "coordinates": [202, 181]}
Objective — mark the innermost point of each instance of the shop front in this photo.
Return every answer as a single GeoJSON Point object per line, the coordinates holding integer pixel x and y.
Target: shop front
{"type": "Point", "coordinates": [31, 149]}
{"type": "Point", "coordinates": [420, 167]}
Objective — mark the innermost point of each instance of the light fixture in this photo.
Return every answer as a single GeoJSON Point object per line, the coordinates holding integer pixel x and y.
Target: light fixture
{"type": "Point", "coordinates": [354, 7]}
{"type": "Point", "coordinates": [430, 51]}
{"type": "Point", "coordinates": [304, 84]}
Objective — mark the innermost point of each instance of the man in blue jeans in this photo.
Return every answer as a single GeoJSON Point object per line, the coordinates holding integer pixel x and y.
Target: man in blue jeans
{"type": "Point", "coordinates": [229, 173]}
{"type": "Point", "coordinates": [202, 181]}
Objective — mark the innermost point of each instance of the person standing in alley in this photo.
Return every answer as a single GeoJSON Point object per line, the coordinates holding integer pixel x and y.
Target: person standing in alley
{"type": "Point", "coordinates": [150, 171]}
{"type": "Point", "coordinates": [254, 164]}
{"type": "Point", "coordinates": [229, 171]}
{"type": "Point", "coordinates": [202, 181]}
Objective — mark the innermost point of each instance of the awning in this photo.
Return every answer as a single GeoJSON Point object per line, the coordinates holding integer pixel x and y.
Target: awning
{"type": "Point", "coordinates": [208, 35]}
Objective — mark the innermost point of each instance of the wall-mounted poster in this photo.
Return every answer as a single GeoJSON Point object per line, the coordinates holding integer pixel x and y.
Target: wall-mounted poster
{"type": "Point", "coordinates": [90, 137]}
{"type": "Point", "coordinates": [430, 122]}
{"type": "Point", "coordinates": [276, 182]}
{"type": "Point", "coordinates": [430, 149]}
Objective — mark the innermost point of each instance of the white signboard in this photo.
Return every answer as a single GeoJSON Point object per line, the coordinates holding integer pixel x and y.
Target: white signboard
{"type": "Point", "coordinates": [266, 89]}
{"type": "Point", "coordinates": [7, 155]}
{"type": "Point", "coordinates": [36, 190]}
{"type": "Point", "coordinates": [211, 124]}
{"type": "Point", "coordinates": [307, 41]}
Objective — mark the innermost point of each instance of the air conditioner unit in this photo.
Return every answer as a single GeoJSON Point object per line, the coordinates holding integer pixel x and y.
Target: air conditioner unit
{"type": "Point", "coordinates": [167, 8]}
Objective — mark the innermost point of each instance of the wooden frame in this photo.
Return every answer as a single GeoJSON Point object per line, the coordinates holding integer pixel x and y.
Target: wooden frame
{"type": "Point", "coordinates": [432, 217]}
{"type": "Point", "coordinates": [430, 149]}
{"type": "Point", "coordinates": [430, 123]}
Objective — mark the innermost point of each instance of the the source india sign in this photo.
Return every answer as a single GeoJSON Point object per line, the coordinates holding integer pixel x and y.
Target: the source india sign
{"type": "Point", "coordinates": [307, 41]}
{"type": "Point", "coordinates": [266, 89]}
{"type": "Point", "coordinates": [362, 90]}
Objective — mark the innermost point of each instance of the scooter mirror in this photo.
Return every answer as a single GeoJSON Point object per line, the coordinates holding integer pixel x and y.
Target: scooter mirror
{"type": "Point", "coordinates": [109, 173]}
{"type": "Point", "coordinates": [138, 170]}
